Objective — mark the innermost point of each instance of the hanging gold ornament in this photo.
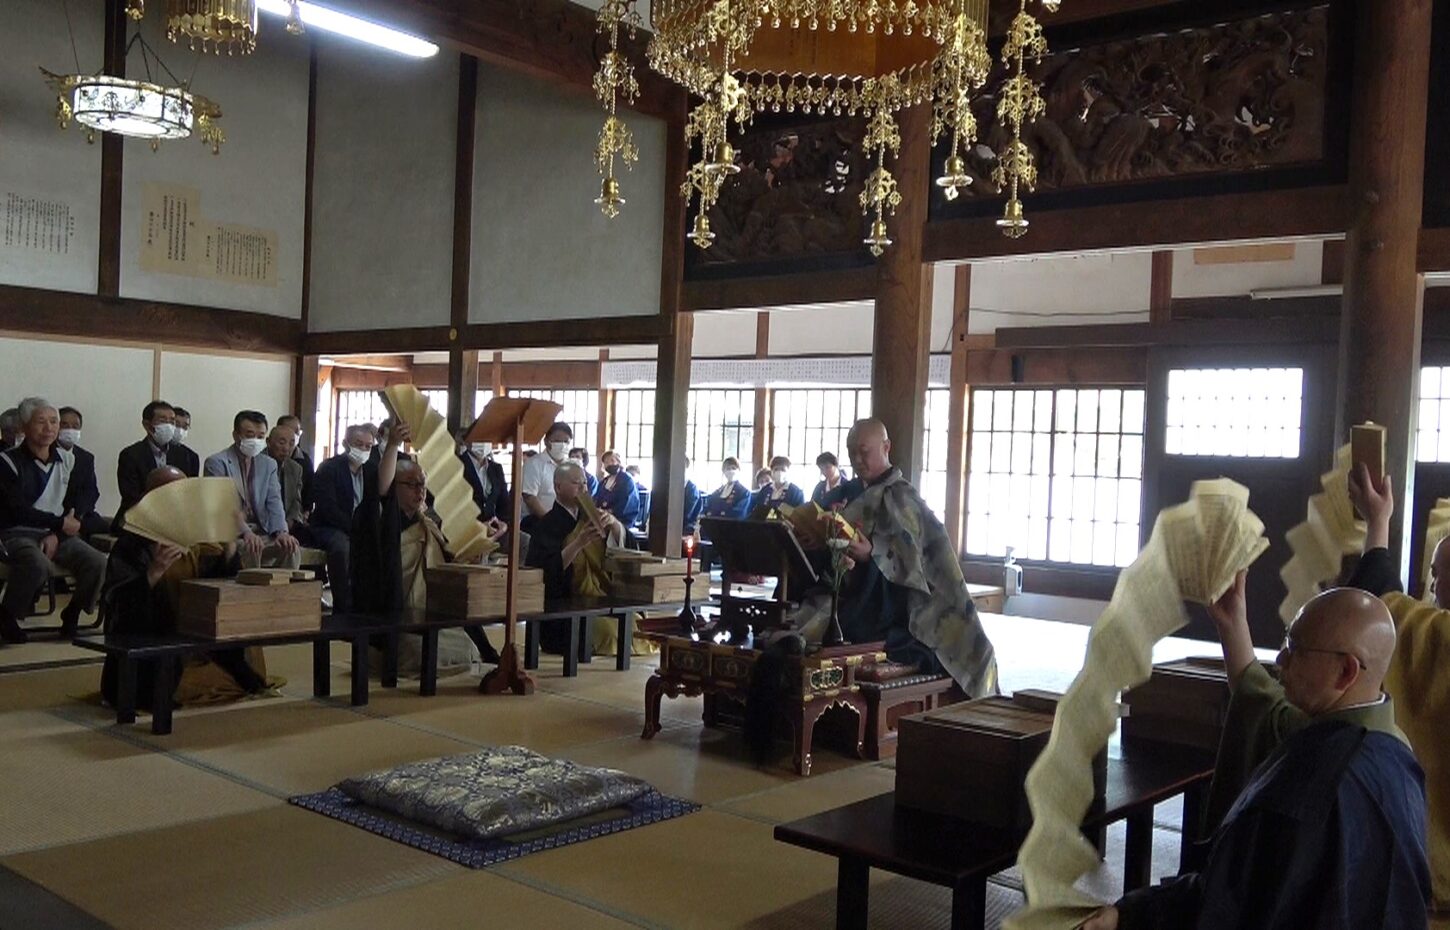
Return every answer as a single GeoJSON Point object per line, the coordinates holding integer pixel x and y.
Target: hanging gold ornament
{"type": "Point", "coordinates": [215, 24]}
{"type": "Point", "coordinates": [294, 19]}
{"type": "Point", "coordinates": [612, 82]}
{"type": "Point", "coordinates": [1020, 102]}
{"type": "Point", "coordinates": [136, 9]}
{"type": "Point", "coordinates": [880, 193]}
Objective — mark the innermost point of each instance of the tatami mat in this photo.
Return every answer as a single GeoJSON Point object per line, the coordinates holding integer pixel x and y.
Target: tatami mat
{"type": "Point", "coordinates": [297, 747]}
{"type": "Point", "coordinates": [709, 869]}
{"type": "Point", "coordinates": [272, 863]}
{"type": "Point", "coordinates": [47, 688]}
{"type": "Point", "coordinates": [461, 902]}
{"type": "Point", "coordinates": [894, 904]}
{"type": "Point", "coordinates": [64, 784]}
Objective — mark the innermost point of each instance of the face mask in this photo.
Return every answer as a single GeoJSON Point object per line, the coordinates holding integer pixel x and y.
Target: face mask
{"type": "Point", "coordinates": [482, 449]}
{"type": "Point", "coordinates": [69, 437]}
{"type": "Point", "coordinates": [251, 448]}
{"type": "Point", "coordinates": [178, 434]}
{"type": "Point", "coordinates": [558, 451]}
{"type": "Point", "coordinates": [779, 475]}
{"type": "Point", "coordinates": [730, 474]}
{"type": "Point", "coordinates": [611, 469]}
{"type": "Point", "coordinates": [163, 433]}
{"type": "Point", "coordinates": [358, 456]}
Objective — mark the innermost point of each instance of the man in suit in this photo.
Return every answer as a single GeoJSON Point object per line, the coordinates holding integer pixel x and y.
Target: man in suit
{"type": "Point", "coordinates": [38, 525]}
{"type": "Point", "coordinates": [300, 455]}
{"type": "Point", "coordinates": [191, 462]}
{"type": "Point", "coordinates": [337, 489]}
{"type": "Point", "coordinates": [264, 540]}
{"type": "Point", "coordinates": [289, 473]}
{"type": "Point", "coordinates": [486, 477]}
{"type": "Point", "coordinates": [139, 459]}
{"type": "Point", "coordinates": [86, 493]}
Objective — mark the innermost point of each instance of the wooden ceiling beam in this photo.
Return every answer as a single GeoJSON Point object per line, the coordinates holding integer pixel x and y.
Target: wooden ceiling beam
{"type": "Point", "coordinates": [551, 39]}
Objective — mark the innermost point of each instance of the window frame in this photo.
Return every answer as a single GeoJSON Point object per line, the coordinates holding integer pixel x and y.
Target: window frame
{"type": "Point", "coordinates": [1071, 579]}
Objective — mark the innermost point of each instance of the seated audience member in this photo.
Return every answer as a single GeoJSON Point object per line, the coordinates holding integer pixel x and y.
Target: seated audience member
{"type": "Point", "coordinates": [300, 455]}
{"type": "Point", "coordinates": [828, 491]}
{"type": "Point", "coordinates": [1416, 679]}
{"type": "Point", "coordinates": [538, 476]}
{"type": "Point", "coordinates": [140, 459]}
{"type": "Point", "coordinates": [580, 457]}
{"type": "Point", "coordinates": [694, 505]}
{"type": "Point", "coordinates": [731, 499]}
{"type": "Point", "coordinates": [637, 477]}
{"type": "Point", "coordinates": [143, 580]}
{"type": "Point", "coordinates": [486, 477]}
{"type": "Point", "coordinates": [616, 494]}
{"type": "Point", "coordinates": [779, 492]}
{"type": "Point", "coordinates": [265, 540]}
{"type": "Point", "coordinates": [38, 526]}
{"type": "Point", "coordinates": [289, 474]}
{"type": "Point", "coordinates": [396, 538]}
{"type": "Point", "coordinates": [1329, 831]}
{"type": "Point", "coordinates": [10, 434]}
{"type": "Point", "coordinates": [337, 492]}
{"type": "Point", "coordinates": [570, 548]}
{"type": "Point", "coordinates": [83, 478]}
{"type": "Point", "coordinates": [762, 481]}
{"type": "Point", "coordinates": [191, 462]}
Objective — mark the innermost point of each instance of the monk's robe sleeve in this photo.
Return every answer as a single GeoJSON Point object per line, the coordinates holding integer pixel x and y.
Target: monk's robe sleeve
{"type": "Point", "coordinates": [1259, 718]}
{"type": "Point", "coordinates": [1376, 573]}
{"type": "Point", "coordinates": [546, 551]}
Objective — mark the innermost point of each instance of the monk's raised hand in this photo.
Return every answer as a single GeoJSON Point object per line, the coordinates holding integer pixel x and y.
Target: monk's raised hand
{"type": "Point", "coordinates": [1231, 610]}
{"type": "Point", "coordinates": [1375, 500]}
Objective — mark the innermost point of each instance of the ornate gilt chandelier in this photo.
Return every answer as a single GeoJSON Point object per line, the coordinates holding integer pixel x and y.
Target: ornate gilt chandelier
{"type": "Point", "coordinates": [218, 24]}
{"type": "Point", "coordinates": [871, 58]}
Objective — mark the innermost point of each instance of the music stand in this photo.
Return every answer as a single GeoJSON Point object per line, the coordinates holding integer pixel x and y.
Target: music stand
{"type": "Point", "coordinates": [756, 547]}
{"type": "Point", "coordinates": [515, 421]}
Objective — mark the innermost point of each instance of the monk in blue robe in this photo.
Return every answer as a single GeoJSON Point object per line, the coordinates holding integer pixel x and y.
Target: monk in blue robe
{"type": "Point", "coordinates": [1328, 832]}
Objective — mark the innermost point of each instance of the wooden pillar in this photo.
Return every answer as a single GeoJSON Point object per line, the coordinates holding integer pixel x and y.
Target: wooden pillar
{"type": "Point", "coordinates": [496, 374]}
{"type": "Point", "coordinates": [672, 365]}
{"type": "Point", "coordinates": [1160, 288]}
{"type": "Point", "coordinates": [113, 149]}
{"type": "Point", "coordinates": [760, 448]}
{"type": "Point", "coordinates": [957, 431]}
{"type": "Point", "coordinates": [462, 364]}
{"type": "Point", "coordinates": [308, 373]}
{"type": "Point", "coordinates": [606, 410]}
{"type": "Point", "coordinates": [901, 349]}
{"type": "Point", "coordinates": [1379, 341]}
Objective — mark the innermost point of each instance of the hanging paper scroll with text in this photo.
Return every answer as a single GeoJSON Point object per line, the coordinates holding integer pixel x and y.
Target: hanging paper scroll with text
{"type": "Point", "coordinates": [1194, 553]}
{"type": "Point", "coordinates": [1318, 545]}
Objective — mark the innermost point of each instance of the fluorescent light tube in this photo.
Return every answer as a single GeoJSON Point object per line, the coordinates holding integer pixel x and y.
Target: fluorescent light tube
{"type": "Point", "coordinates": [329, 20]}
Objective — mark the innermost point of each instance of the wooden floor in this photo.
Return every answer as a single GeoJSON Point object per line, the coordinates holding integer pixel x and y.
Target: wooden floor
{"type": "Point", "coordinates": [193, 830]}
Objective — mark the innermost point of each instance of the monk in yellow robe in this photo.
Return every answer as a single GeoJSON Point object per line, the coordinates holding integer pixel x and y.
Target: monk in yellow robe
{"type": "Point", "coordinates": [1419, 673]}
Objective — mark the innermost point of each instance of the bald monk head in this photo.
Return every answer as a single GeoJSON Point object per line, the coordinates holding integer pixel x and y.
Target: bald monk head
{"type": "Point", "coordinates": [163, 475]}
{"type": "Point", "coordinates": [1337, 651]}
{"type": "Point", "coordinates": [870, 449]}
{"type": "Point", "coordinates": [1440, 568]}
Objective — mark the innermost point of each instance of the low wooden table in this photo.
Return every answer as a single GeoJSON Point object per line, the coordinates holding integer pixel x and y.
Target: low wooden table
{"type": "Point", "coordinates": [876, 833]}
{"type": "Point", "coordinates": [133, 649]}
{"type": "Point", "coordinates": [827, 679]}
{"type": "Point", "coordinates": [579, 611]}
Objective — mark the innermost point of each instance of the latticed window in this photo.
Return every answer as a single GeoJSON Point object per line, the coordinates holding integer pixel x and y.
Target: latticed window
{"type": "Point", "coordinates": [634, 430]}
{"type": "Point", "coordinates": [805, 423]}
{"type": "Point", "coordinates": [1432, 441]}
{"type": "Point", "coordinates": [719, 424]}
{"type": "Point", "coordinates": [353, 408]}
{"type": "Point", "coordinates": [1057, 475]}
{"type": "Point", "coordinates": [581, 412]}
{"type": "Point", "coordinates": [934, 451]}
{"type": "Point", "coordinates": [1235, 412]}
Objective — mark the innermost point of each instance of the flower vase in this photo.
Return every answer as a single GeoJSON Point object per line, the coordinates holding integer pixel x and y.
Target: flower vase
{"type": "Point", "coordinates": [833, 636]}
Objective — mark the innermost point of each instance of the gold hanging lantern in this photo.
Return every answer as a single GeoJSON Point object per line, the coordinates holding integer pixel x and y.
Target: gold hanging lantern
{"type": "Point", "coordinates": [136, 9]}
{"type": "Point", "coordinates": [1020, 102]}
{"type": "Point", "coordinates": [612, 82]}
{"type": "Point", "coordinates": [218, 25]}
{"type": "Point", "coordinates": [872, 58]}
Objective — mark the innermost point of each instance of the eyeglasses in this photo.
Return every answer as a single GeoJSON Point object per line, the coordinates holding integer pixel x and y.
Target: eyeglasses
{"type": "Point", "coordinates": [411, 484]}
{"type": "Point", "coordinates": [1291, 648]}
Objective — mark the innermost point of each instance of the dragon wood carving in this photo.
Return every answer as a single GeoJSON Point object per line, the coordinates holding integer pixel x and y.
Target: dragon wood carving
{"type": "Point", "coordinates": [1233, 97]}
